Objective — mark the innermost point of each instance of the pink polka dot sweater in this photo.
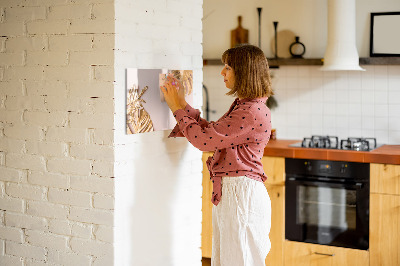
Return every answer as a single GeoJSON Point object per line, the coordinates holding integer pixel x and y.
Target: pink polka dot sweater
{"type": "Point", "coordinates": [238, 139]}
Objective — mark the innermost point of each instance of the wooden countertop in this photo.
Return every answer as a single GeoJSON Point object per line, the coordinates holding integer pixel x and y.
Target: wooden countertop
{"type": "Point", "coordinates": [389, 154]}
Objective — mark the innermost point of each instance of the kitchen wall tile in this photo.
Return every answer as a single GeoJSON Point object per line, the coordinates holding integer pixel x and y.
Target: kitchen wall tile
{"type": "Point", "coordinates": [367, 96]}
{"type": "Point", "coordinates": [381, 97]}
{"type": "Point", "coordinates": [355, 132]}
{"type": "Point", "coordinates": [342, 96]}
{"type": "Point", "coordinates": [304, 82]}
{"type": "Point", "coordinates": [382, 110]}
{"type": "Point", "coordinates": [393, 71]}
{"type": "Point", "coordinates": [382, 123]}
{"type": "Point", "coordinates": [329, 109]}
{"type": "Point", "coordinates": [342, 109]}
{"type": "Point", "coordinates": [394, 110]}
{"type": "Point", "coordinates": [394, 123]}
{"type": "Point", "coordinates": [355, 96]}
{"type": "Point", "coordinates": [355, 122]}
{"type": "Point", "coordinates": [381, 136]}
{"type": "Point", "coordinates": [394, 83]}
{"type": "Point", "coordinates": [368, 122]}
{"type": "Point", "coordinates": [367, 110]}
{"type": "Point", "coordinates": [291, 71]}
{"type": "Point", "coordinates": [381, 84]}
{"type": "Point", "coordinates": [394, 137]}
{"type": "Point", "coordinates": [380, 71]}
{"type": "Point", "coordinates": [367, 82]}
{"type": "Point", "coordinates": [292, 82]}
{"type": "Point", "coordinates": [304, 72]}
{"type": "Point", "coordinates": [394, 97]}
{"type": "Point", "coordinates": [355, 109]}
{"type": "Point", "coordinates": [342, 122]}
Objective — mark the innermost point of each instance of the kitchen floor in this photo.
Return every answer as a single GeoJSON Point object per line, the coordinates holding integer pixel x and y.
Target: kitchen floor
{"type": "Point", "coordinates": [206, 261]}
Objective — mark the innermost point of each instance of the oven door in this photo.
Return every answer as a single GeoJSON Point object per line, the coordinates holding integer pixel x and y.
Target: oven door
{"type": "Point", "coordinates": [327, 213]}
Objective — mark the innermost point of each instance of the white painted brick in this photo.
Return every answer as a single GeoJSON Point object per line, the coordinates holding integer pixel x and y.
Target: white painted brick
{"type": "Point", "coordinates": [71, 42]}
{"type": "Point", "coordinates": [190, 22]}
{"type": "Point", "coordinates": [2, 158]}
{"type": "Point", "coordinates": [24, 132]}
{"type": "Point", "coordinates": [69, 197]}
{"type": "Point", "coordinates": [60, 227]}
{"type": "Point", "coordinates": [103, 41]}
{"type": "Point", "coordinates": [25, 250]}
{"type": "Point", "coordinates": [47, 27]}
{"type": "Point", "coordinates": [104, 73]}
{"type": "Point", "coordinates": [32, 262]}
{"type": "Point", "coordinates": [46, 118]}
{"type": "Point", "coordinates": [47, 240]}
{"type": "Point", "coordinates": [104, 169]}
{"type": "Point", "coordinates": [46, 209]}
{"type": "Point", "coordinates": [74, 135]}
{"type": "Point", "coordinates": [92, 151]}
{"type": "Point", "coordinates": [11, 116]}
{"type": "Point", "coordinates": [24, 73]}
{"type": "Point", "coordinates": [74, 104]}
{"type": "Point", "coordinates": [93, 184]}
{"type": "Point", "coordinates": [12, 28]}
{"type": "Point", "coordinates": [97, 57]}
{"type": "Point", "coordinates": [21, 43]}
{"type": "Point", "coordinates": [25, 191]}
{"type": "Point", "coordinates": [91, 26]}
{"type": "Point", "coordinates": [70, 12]}
{"type": "Point", "coordinates": [11, 59]}
{"type": "Point", "coordinates": [95, 216]}
{"type": "Point", "coordinates": [25, 161]}
{"type": "Point", "coordinates": [46, 88]}
{"type": "Point", "coordinates": [25, 103]}
{"type": "Point", "coordinates": [48, 179]}
{"type": "Point", "coordinates": [2, 44]}
{"type": "Point", "coordinates": [11, 260]}
{"type": "Point", "coordinates": [91, 247]}
{"type": "Point", "coordinates": [103, 11]}
{"type": "Point", "coordinates": [97, 105]}
{"type": "Point", "coordinates": [12, 204]}
{"type": "Point", "coordinates": [11, 88]}
{"type": "Point", "coordinates": [68, 258]}
{"type": "Point", "coordinates": [104, 233]}
{"type": "Point", "coordinates": [25, 221]}
{"type": "Point", "coordinates": [2, 222]}
{"type": "Point", "coordinates": [101, 136]}
{"type": "Point", "coordinates": [81, 73]}
{"type": "Point", "coordinates": [56, 149]}
{"type": "Point", "coordinates": [24, 13]}
{"type": "Point", "coordinates": [47, 58]}
{"type": "Point", "coordinates": [82, 230]}
{"type": "Point", "coordinates": [45, 2]}
{"type": "Point", "coordinates": [91, 89]}
{"type": "Point", "coordinates": [11, 233]}
{"type": "Point", "coordinates": [103, 202]}
{"type": "Point", "coordinates": [12, 145]}
{"type": "Point", "coordinates": [105, 260]}
{"type": "Point", "coordinates": [70, 166]}
{"type": "Point", "coordinates": [98, 120]}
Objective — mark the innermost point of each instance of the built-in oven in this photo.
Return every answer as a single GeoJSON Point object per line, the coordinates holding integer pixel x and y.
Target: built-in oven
{"type": "Point", "coordinates": [327, 202]}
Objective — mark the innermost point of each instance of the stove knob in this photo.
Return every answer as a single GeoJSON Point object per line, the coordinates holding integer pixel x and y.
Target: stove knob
{"type": "Point", "coordinates": [343, 168]}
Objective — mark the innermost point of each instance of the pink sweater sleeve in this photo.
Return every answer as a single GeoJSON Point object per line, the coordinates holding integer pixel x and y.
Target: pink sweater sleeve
{"type": "Point", "coordinates": [193, 113]}
{"type": "Point", "coordinates": [234, 129]}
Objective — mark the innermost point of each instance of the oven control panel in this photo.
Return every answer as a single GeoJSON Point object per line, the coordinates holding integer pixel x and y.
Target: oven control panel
{"type": "Point", "coordinates": [337, 169]}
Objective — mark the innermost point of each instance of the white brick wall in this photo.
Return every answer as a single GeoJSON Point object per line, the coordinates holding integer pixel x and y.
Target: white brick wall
{"type": "Point", "coordinates": [56, 132]}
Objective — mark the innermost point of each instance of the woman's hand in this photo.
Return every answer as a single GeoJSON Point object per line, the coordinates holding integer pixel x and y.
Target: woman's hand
{"type": "Point", "coordinates": [173, 96]}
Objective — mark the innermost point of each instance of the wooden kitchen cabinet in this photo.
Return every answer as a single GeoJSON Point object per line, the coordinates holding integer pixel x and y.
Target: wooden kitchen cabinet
{"type": "Point", "coordinates": [305, 254]}
{"type": "Point", "coordinates": [384, 237]}
{"type": "Point", "coordinates": [274, 168]}
{"type": "Point", "coordinates": [206, 225]}
{"type": "Point", "coordinates": [385, 178]}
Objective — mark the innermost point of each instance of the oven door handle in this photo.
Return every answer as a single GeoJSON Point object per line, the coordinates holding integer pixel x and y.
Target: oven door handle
{"type": "Point", "coordinates": [357, 185]}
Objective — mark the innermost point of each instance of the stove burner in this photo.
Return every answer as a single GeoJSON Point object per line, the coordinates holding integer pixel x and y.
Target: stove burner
{"type": "Point", "coordinates": [328, 142]}
{"type": "Point", "coordinates": [358, 144]}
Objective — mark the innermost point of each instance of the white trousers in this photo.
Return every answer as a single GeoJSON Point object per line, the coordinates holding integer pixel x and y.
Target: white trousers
{"type": "Point", "coordinates": [241, 223]}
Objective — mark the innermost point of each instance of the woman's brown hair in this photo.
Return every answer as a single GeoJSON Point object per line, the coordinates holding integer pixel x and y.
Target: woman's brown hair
{"type": "Point", "coordinates": [250, 66]}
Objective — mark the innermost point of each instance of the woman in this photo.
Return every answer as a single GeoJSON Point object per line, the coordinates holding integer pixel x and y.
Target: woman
{"type": "Point", "coordinates": [242, 208]}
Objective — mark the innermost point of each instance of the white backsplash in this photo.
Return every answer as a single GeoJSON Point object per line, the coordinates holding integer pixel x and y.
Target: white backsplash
{"type": "Point", "coordinates": [314, 102]}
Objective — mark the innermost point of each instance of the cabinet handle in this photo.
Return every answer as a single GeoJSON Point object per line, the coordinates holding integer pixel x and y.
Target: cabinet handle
{"type": "Point", "coordinates": [324, 254]}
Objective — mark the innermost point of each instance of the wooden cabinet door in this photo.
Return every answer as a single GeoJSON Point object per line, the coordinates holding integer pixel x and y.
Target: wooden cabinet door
{"type": "Point", "coordinates": [304, 254]}
{"type": "Point", "coordinates": [274, 168]}
{"type": "Point", "coordinates": [385, 178]}
{"type": "Point", "coordinates": [384, 236]}
{"type": "Point", "coordinates": [277, 233]}
{"type": "Point", "coordinates": [206, 226]}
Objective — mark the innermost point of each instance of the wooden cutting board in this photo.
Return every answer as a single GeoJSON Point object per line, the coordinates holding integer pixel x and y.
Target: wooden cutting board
{"type": "Point", "coordinates": [239, 35]}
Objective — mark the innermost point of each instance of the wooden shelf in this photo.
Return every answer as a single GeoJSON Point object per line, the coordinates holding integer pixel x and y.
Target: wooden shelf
{"type": "Point", "coordinates": [273, 63]}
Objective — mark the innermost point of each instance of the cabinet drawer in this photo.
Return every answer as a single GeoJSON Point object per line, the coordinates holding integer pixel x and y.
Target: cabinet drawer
{"type": "Point", "coordinates": [304, 254]}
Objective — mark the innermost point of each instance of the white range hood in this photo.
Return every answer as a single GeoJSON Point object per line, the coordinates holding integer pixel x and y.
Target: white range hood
{"type": "Point", "coordinates": [341, 51]}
